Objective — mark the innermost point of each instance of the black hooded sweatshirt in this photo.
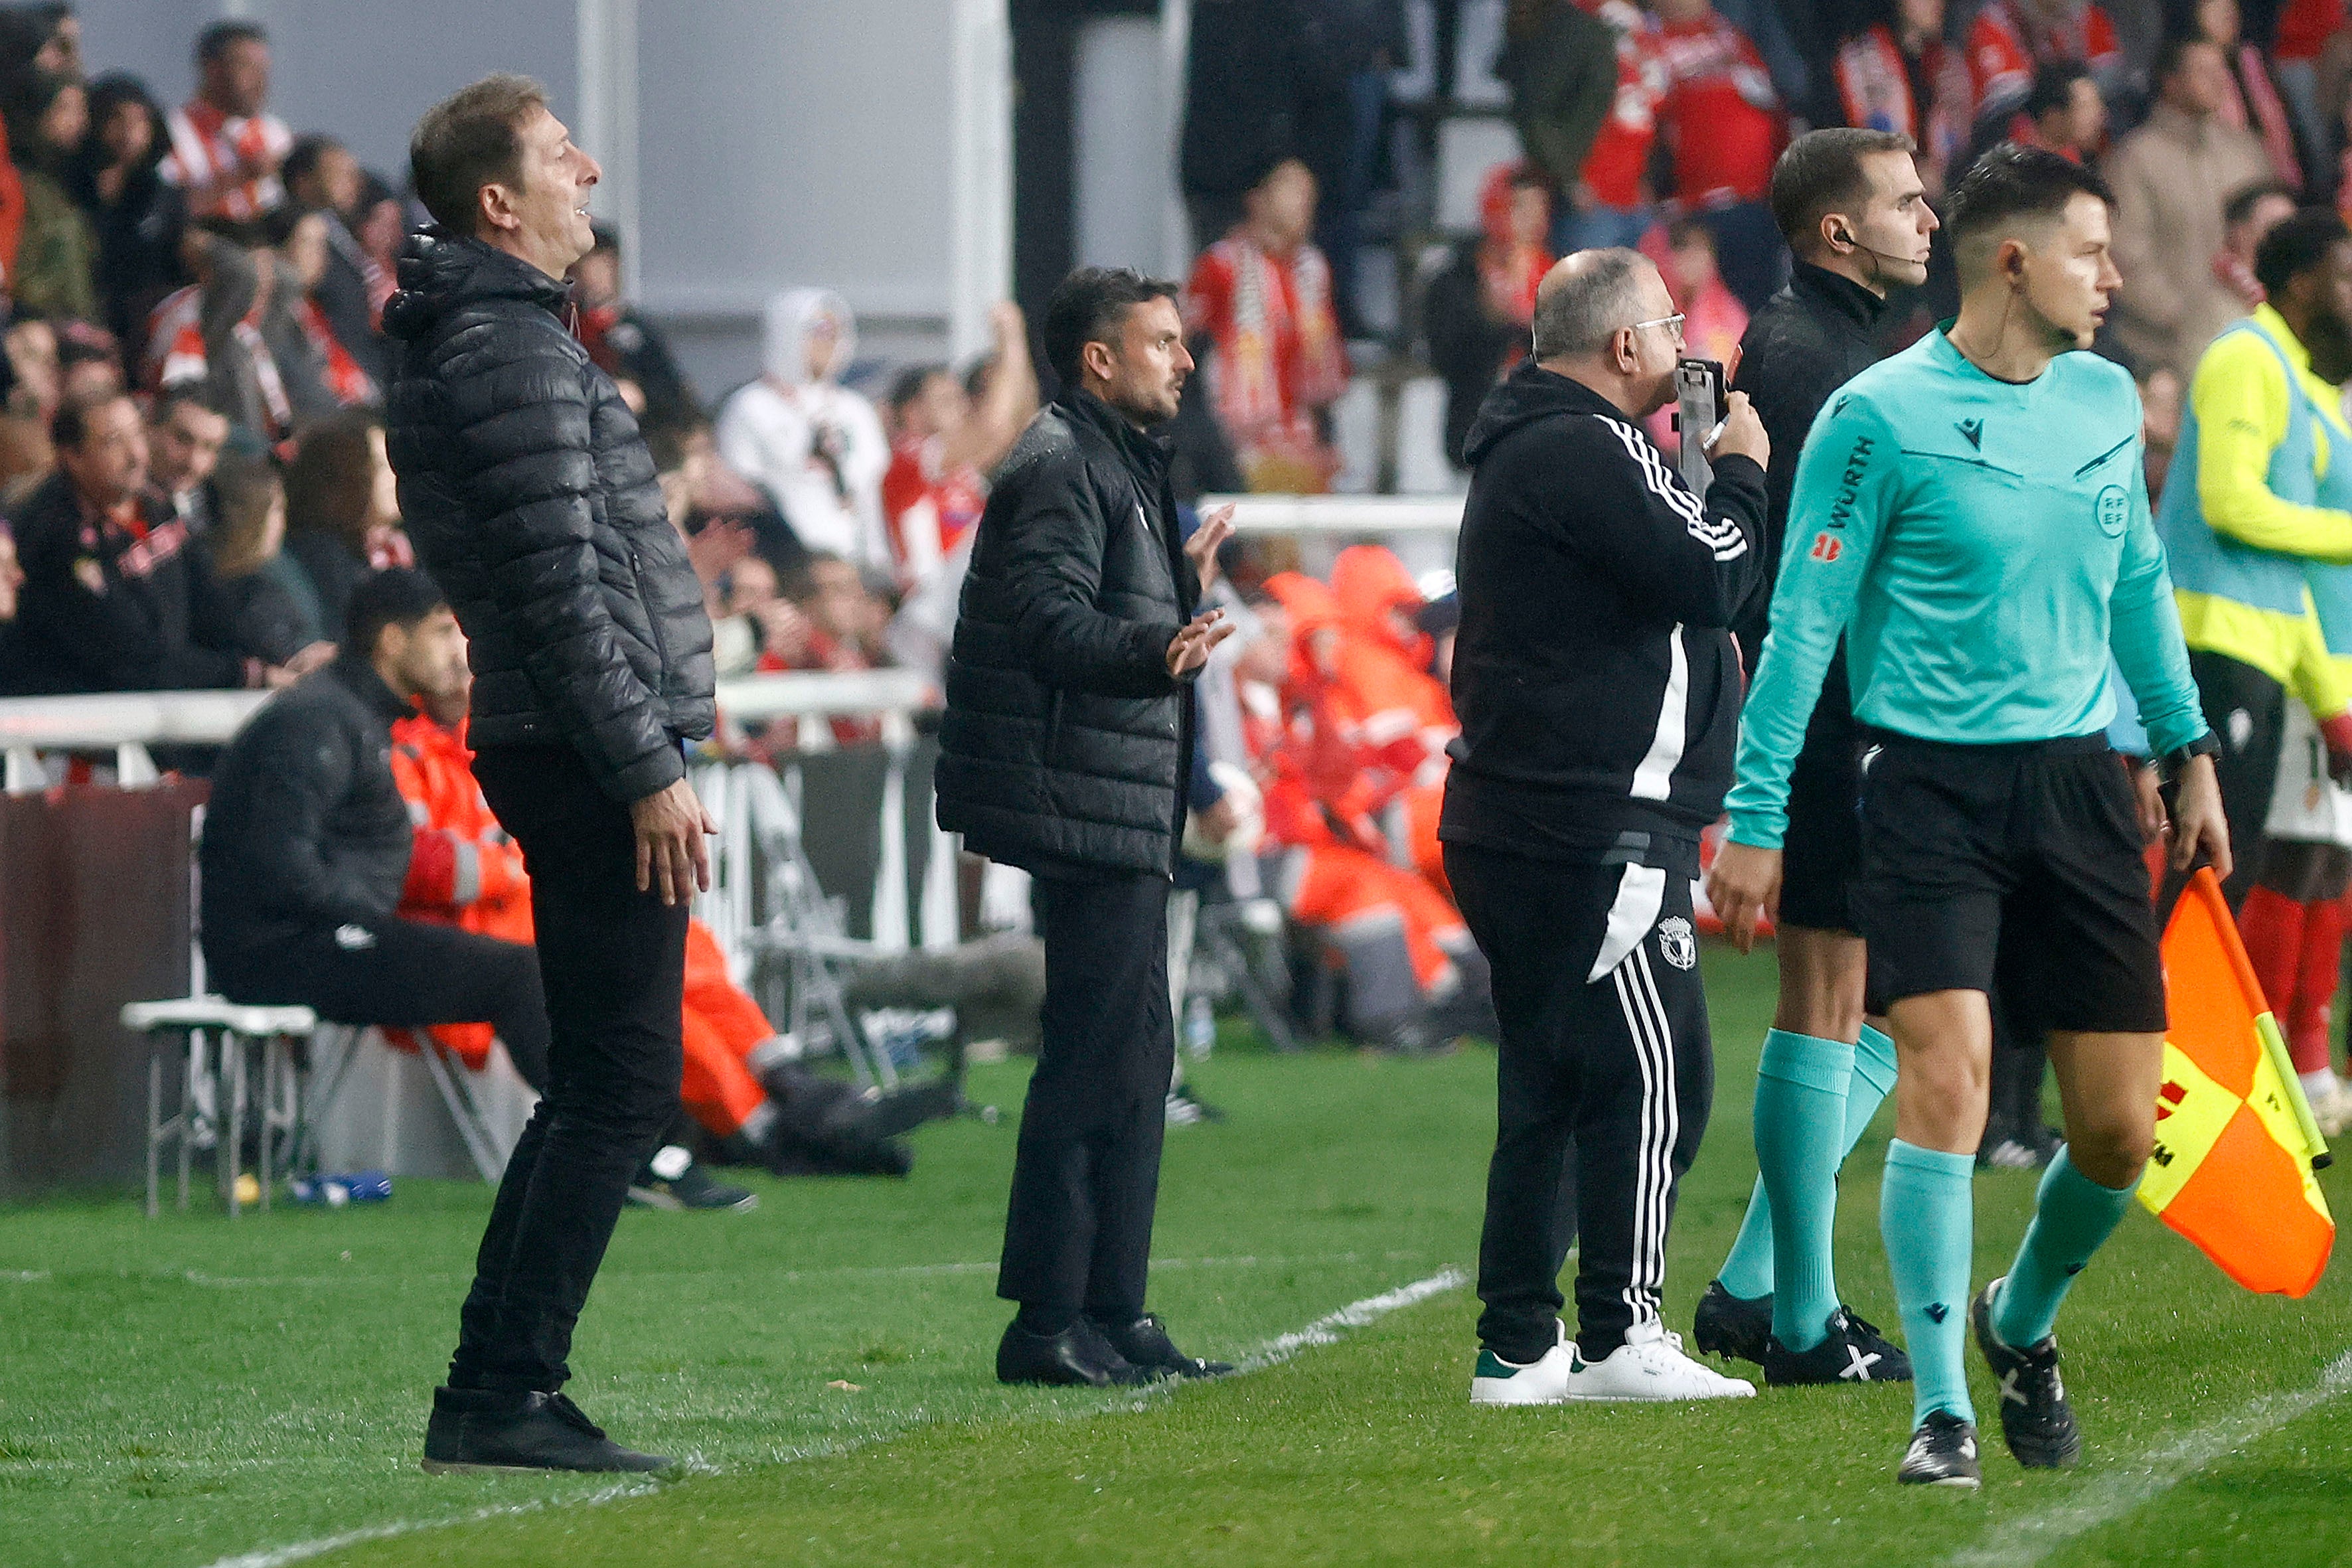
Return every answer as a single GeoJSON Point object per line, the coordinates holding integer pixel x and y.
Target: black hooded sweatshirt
{"type": "Point", "coordinates": [1598, 689]}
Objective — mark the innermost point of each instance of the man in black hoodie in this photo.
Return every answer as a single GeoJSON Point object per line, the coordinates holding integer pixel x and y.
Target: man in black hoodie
{"type": "Point", "coordinates": [532, 500]}
{"type": "Point", "coordinates": [1599, 692]}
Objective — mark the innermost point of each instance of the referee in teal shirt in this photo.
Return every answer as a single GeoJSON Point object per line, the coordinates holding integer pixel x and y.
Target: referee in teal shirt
{"type": "Point", "coordinates": [1971, 515]}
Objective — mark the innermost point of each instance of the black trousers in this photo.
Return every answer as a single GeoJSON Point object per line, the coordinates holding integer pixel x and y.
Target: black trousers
{"type": "Point", "coordinates": [401, 974]}
{"type": "Point", "coordinates": [1086, 1176]}
{"type": "Point", "coordinates": [613, 960]}
{"type": "Point", "coordinates": [2247, 712]}
{"type": "Point", "coordinates": [1605, 1058]}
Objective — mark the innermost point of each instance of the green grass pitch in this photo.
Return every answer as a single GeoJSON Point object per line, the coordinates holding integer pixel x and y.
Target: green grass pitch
{"type": "Point", "coordinates": [191, 1391]}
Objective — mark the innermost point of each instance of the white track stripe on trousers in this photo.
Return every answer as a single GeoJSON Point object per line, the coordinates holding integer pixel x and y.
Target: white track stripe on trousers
{"type": "Point", "coordinates": [1324, 1330]}
{"type": "Point", "coordinates": [1670, 1096]}
{"type": "Point", "coordinates": [2019, 1543]}
{"type": "Point", "coordinates": [1652, 1051]}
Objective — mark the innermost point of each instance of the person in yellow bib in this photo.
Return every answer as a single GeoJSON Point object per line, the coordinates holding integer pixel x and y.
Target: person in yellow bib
{"type": "Point", "coordinates": [2261, 496]}
{"type": "Point", "coordinates": [2278, 383]}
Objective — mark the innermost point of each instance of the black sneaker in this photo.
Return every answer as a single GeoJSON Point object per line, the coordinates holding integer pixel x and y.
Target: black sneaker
{"type": "Point", "coordinates": [671, 1179]}
{"type": "Point", "coordinates": [1732, 1327]}
{"type": "Point", "coordinates": [1852, 1352]}
{"type": "Point", "coordinates": [2035, 1419]}
{"type": "Point", "coordinates": [1076, 1357]}
{"type": "Point", "coordinates": [1943, 1453]}
{"type": "Point", "coordinates": [475, 1431]}
{"type": "Point", "coordinates": [1145, 1344]}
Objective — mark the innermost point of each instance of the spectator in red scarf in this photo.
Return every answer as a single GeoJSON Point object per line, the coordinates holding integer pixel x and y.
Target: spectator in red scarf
{"type": "Point", "coordinates": [321, 176]}
{"type": "Point", "coordinates": [1724, 127]}
{"type": "Point", "coordinates": [946, 440]}
{"type": "Point", "coordinates": [306, 250]}
{"type": "Point", "coordinates": [226, 148]}
{"type": "Point", "coordinates": [1263, 295]}
{"type": "Point", "coordinates": [1477, 310]}
{"type": "Point", "coordinates": [2010, 38]}
{"type": "Point", "coordinates": [1898, 74]}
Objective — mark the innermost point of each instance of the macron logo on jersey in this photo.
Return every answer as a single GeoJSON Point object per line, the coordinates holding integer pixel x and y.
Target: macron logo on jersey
{"type": "Point", "coordinates": [1974, 430]}
{"type": "Point", "coordinates": [1718, 534]}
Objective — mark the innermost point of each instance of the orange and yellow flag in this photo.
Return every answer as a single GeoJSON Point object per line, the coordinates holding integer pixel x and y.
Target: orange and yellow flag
{"type": "Point", "coordinates": [2236, 1142]}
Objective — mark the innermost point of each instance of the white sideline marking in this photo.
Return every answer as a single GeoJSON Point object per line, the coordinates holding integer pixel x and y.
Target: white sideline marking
{"type": "Point", "coordinates": [788, 1276]}
{"type": "Point", "coordinates": [2027, 1540]}
{"type": "Point", "coordinates": [1323, 1330]}
{"type": "Point", "coordinates": [302, 1551]}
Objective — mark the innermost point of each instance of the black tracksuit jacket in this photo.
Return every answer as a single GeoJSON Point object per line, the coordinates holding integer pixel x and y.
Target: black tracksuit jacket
{"type": "Point", "coordinates": [1598, 689]}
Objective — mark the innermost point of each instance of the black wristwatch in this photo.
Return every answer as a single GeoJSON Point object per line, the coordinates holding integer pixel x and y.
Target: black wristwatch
{"type": "Point", "coordinates": [2170, 766]}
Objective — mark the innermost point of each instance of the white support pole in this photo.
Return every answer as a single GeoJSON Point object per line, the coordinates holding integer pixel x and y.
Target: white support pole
{"type": "Point", "coordinates": [1177, 249]}
{"type": "Point", "coordinates": [608, 119]}
{"type": "Point", "coordinates": [979, 121]}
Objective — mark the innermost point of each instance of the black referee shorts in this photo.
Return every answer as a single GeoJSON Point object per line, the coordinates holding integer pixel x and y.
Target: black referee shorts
{"type": "Point", "coordinates": [2018, 866]}
{"type": "Point", "coordinates": [1822, 854]}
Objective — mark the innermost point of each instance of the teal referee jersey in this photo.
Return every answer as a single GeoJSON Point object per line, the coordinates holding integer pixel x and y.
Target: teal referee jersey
{"type": "Point", "coordinates": [1983, 546]}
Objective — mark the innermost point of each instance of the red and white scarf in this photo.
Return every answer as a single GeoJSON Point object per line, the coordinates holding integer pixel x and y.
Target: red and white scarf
{"type": "Point", "coordinates": [1277, 304]}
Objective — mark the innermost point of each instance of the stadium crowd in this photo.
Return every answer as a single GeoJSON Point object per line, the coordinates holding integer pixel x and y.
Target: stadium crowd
{"type": "Point", "coordinates": [193, 470]}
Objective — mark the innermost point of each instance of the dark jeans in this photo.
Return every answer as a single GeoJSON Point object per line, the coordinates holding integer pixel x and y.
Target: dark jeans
{"type": "Point", "coordinates": [613, 963]}
{"type": "Point", "coordinates": [1615, 1074]}
{"type": "Point", "coordinates": [398, 974]}
{"type": "Point", "coordinates": [1086, 1176]}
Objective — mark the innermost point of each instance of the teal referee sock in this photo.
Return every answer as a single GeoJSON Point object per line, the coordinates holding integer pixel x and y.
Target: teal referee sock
{"type": "Point", "coordinates": [1746, 1271]}
{"type": "Point", "coordinates": [1926, 1215]}
{"type": "Point", "coordinates": [1800, 1086]}
{"type": "Point", "coordinates": [2073, 1217]}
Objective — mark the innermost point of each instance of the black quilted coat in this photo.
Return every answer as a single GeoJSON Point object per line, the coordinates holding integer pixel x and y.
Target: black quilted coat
{"type": "Point", "coordinates": [1066, 744]}
{"type": "Point", "coordinates": [532, 501]}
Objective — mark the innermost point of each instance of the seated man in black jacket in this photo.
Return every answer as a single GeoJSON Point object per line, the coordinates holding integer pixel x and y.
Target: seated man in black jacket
{"type": "Point", "coordinates": [307, 842]}
{"type": "Point", "coordinates": [115, 598]}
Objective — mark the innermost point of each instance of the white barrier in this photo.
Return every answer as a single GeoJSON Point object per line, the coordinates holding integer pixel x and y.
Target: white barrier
{"type": "Point", "coordinates": [129, 723]}
{"type": "Point", "coordinates": [1346, 516]}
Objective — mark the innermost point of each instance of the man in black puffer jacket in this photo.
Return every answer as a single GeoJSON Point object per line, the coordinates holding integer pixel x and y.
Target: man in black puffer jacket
{"type": "Point", "coordinates": [307, 843]}
{"type": "Point", "coordinates": [1064, 751]}
{"type": "Point", "coordinates": [532, 499]}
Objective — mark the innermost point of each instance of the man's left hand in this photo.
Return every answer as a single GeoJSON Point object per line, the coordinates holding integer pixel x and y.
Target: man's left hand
{"type": "Point", "coordinates": [2198, 824]}
{"type": "Point", "coordinates": [1743, 884]}
{"type": "Point", "coordinates": [1216, 527]}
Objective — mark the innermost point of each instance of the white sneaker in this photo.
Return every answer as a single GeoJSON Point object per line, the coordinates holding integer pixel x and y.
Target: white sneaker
{"type": "Point", "coordinates": [1543, 1382]}
{"type": "Point", "coordinates": [1650, 1365]}
{"type": "Point", "coordinates": [2332, 1110]}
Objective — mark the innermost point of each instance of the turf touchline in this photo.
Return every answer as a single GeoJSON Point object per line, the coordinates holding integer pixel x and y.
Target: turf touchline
{"type": "Point", "coordinates": [788, 1275]}
{"type": "Point", "coordinates": [1323, 1330]}
{"type": "Point", "coordinates": [2029, 1539]}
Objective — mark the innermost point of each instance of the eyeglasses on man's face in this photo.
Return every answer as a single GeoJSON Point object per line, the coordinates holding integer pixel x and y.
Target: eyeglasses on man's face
{"type": "Point", "coordinates": [1674, 325]}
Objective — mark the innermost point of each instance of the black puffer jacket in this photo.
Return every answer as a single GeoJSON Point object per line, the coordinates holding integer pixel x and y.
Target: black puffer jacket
{"type": "Point", "coordinates": [532, 501]}
{"type": "Point", "coordinates": [306, 829]}
{"type": "Point", "coordinates": [1065, 743]}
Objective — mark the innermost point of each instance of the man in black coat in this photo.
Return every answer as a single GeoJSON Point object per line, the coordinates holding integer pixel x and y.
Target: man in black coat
{"type": "Point", "coordinates": [532, 500]}
{"type": "Point", "coordinates": [1851, 204]}
{"type": "Point", "coordinates": [1064, 751]}
{"type": "Point", "coordinates": [117, 596]}
{"type": "Point", "coordinates": [307, 842]}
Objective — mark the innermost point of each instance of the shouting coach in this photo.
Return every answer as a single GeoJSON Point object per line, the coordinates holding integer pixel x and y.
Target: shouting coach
{"type": "Point", "coordinates": [532, 501]}
{"type": "Point", "coordinates": [1064, 751]}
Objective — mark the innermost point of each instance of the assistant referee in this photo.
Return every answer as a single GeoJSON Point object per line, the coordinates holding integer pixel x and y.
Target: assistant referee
{"type": "Point", "coordinates": [1971, 515]}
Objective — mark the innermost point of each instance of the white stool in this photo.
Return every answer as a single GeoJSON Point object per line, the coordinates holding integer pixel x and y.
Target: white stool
{"type": "Point", "coordinates": [238, 1028]}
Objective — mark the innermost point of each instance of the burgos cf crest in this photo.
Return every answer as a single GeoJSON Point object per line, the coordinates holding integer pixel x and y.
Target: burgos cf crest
{"type": "Point", "coordinates": [1676, 945]}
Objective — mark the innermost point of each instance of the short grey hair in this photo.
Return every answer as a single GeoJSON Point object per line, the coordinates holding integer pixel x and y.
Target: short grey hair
{"type": "Point", "coordinates": [1579, 313]}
